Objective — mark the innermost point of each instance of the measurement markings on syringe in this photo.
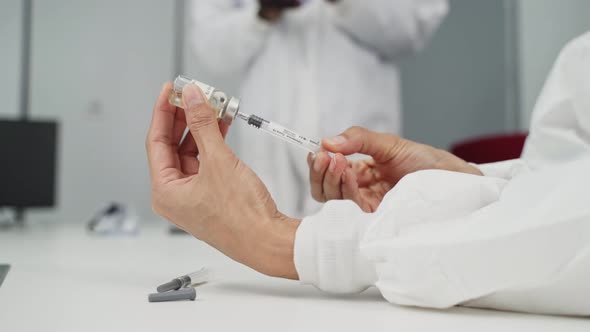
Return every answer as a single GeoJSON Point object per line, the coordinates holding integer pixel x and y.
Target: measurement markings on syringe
{"type": "Point", "coordinates": [287, 134]}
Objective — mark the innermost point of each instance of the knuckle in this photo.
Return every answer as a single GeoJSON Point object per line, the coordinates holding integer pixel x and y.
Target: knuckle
{"type": "Point", "coordinates": [392, 145]}
{"type": "Point", "coordinates": [201, 117]}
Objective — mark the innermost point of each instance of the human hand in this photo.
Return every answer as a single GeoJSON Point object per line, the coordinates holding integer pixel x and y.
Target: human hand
{"type": "Point", "coordinates": [272, 10]}
{"type": "Point", "coordinates": [202, 187]}
{"type": "Point", "coordinates": [367, 181]}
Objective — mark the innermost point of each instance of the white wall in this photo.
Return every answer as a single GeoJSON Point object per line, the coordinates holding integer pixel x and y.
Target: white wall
{"type": "Point", "coordinates": [545, 26]}
{"type": "Point", "coordinates": [97, 67]}
{"type": "Point", "coordinates": [10, 36]}
{"type": "Point", "coordinates": [456, 88]}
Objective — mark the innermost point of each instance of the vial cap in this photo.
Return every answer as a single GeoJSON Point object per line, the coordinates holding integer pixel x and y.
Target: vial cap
{"type": "Point", "coordinates": [231, 110]}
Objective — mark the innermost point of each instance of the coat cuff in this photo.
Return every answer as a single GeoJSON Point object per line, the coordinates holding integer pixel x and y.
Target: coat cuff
{"type": "Point", "coordinates": [327, 253]}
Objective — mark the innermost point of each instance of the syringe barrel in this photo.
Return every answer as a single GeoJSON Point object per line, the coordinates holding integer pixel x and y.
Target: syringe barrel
{"type": "Point", "coordinates": [285, 134]}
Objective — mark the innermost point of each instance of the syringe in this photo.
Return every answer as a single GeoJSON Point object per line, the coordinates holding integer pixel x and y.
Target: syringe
{"type": "Point", "coordinates": [227, 109]}
{"type": "Point", "coordinates": [281, 132]}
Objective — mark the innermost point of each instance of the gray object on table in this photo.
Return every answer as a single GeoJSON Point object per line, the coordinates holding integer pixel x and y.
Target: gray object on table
{"type": "Point", "coordinates": [3, 272]}
{"type": "Point", "coordinates": [177, 295]}
{"type": "Point", "coordinates": [171, 285]}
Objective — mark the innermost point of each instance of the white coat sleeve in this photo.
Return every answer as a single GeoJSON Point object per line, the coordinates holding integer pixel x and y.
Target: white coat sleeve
{"type": "Point", "coordinates": [390, 27]}
{"type": "Point", "coordinates": [226, 35]}
{"type": "Point", "coordinates": [441, 239]}
{"type": "Point", "coordinates": [560, 128]}
{"type": "Point", "coordinates": [515, 239]}
{"type": "Point", "coordinates": [327, 252]}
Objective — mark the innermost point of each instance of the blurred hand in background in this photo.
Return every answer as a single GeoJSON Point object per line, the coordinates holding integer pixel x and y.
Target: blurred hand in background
{"type": "Point", "coordinates": [271, 10]}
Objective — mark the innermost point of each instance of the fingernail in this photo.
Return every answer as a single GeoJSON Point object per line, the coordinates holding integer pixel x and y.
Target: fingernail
{"type": "Point", "coordinates": [316, 165]}
{"type": "Point", "coordinates": [192, 96]}
{"type": "Point", "coordinates": [332, 165]}
{"type": "Point", "coordinates": [336, 140]}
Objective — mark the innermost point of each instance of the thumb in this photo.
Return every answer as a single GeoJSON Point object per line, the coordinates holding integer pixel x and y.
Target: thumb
{"type": "Point", "coordinates": [201, 120]}
{"type": "Point", "coordinates": [364, 141]}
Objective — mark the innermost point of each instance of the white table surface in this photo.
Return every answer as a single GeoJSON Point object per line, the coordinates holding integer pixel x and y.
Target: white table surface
{"type": "Point", "coordinates": [63, 279]}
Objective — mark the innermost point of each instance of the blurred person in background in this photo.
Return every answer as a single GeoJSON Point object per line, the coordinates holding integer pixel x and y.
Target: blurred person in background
{"type": "Point", "coordinates": [339, 54]}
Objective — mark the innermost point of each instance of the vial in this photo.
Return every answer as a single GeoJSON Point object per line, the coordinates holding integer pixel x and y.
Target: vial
{"type": "Point", "coordinates": [224, 106]}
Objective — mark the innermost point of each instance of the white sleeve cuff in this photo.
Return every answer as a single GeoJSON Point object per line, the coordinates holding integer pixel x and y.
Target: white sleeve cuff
{"type": "Point", "coordinates": [327, 253]}
{"type": "Point", "coordinates": [305, 252]}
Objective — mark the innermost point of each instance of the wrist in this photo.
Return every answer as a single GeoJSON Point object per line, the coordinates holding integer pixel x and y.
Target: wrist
{"type": "Point", "coordinates": [276, 247]}
{"type": "Point", "coordinates": [266, 246]}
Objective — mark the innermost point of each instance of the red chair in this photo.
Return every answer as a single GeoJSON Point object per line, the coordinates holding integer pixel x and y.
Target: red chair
{"type": "Point", "coordinates": [488, 149]}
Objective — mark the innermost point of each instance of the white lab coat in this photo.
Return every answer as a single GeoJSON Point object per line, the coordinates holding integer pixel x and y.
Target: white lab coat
{"type": "Point", "coordinates": [321, 69]}
{"type": "Point", "coordinates": [515, 239]}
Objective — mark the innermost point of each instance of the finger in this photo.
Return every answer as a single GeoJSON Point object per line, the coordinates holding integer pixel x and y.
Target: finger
{"type": "Point", "coordinates": [202, 122]}
{"type": "Point", "coordinates": [179, 126]}
{"type": "Point", "coordinates": [188, 146]}
{"type": "Point", "coordinates": [360, 140]}
{"type": "Point", "coordinates": [160, 145]}
{"type": "Point", "coordinates": [350, 188]}
{"type": "Point", "coordinates": [317, 170]}
{"type": "Point", "coordinates": [365, 172]}
{"type": "Point", "coordinates": [333, 178]}
{"type": "Point", "coordinates": [372, 200]}
{"type": "Point", "coordinates": [187, 153]}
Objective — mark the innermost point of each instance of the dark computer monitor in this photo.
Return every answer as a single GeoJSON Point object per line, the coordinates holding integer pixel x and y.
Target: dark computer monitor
{"type": "Point", "coordinates": [27, 163]}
